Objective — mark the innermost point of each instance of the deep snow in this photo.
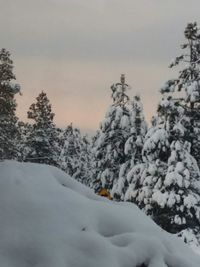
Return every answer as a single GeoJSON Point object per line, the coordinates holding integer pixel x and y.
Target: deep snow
{"type": "Point", "coordinates": [48, 219]}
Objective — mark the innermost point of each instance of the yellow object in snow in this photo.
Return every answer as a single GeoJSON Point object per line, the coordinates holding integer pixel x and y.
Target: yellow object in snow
{"type": "Point", "coordinates": [105, 193]}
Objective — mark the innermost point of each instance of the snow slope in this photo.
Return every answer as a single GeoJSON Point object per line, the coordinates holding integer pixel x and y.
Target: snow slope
{"type": "Point", "coordinates": [49, 220]}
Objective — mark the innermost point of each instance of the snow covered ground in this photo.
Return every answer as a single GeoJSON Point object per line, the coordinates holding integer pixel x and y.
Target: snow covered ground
{"type": "Point", "coordinates": [49, 220]}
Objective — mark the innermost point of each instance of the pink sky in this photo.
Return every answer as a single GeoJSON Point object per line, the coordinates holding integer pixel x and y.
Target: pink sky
{"type": "Point", "coordinates": [80, 93]}
{"type": "Point", "coordinates": [74, 50]}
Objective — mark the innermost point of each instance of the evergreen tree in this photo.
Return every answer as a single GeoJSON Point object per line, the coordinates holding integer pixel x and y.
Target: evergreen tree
{"type": "Point", "coordinates": [75, 156]}
{"type": "Point", "coordinates": [133, 146]}
{"type": "Point", "coordinates": [135, 142]}
{"type": "Point", "coordinates": [113, 134]}
{"type": "Point", "coordinates": [143, 179]}
{"type": "Point", "coordinates": [43, 139]}
{"type": "Point", "coordinates": [8, 119]}
{"type": "Point", "coordinates": [188, 81]}
{"type": "Point", "coordinates": [25, 129]}
{"type": "Point", "coordinates": [176, 198]}
{"type": "Point", "coordinates": [166, 186]}
{"type": "Point", "coordinates": [144, 176]}
{"type": "Point", "coordinates": [87, 159]}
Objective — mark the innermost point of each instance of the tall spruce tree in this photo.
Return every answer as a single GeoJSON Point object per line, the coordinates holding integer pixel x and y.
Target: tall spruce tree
{"type": "Point", "coordinates": [8, 119]}
{"type": "Point", "coordinates": [133, 146]}
{"type": "Point", "coordinates": [166, 186]}
{"type": "Point", "coordinates": [113, 134]}
{"type": "Point", "coordinates": [188, 82]}
{"type": "Point", "coordinates": [43, 139]}
{"type": "Point", "coordinates": [176, 200]}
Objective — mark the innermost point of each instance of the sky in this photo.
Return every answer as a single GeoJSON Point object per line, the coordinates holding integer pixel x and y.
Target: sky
{"type": "Point", "coordinates": [74, 50]}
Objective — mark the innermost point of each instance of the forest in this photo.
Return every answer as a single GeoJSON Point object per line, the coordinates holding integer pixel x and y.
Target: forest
{"type": "Point", "coordinates": [155, 166]}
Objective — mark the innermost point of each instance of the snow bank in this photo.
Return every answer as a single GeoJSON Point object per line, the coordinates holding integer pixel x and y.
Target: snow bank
{"type": "Point", "coordinates": [49, 220]}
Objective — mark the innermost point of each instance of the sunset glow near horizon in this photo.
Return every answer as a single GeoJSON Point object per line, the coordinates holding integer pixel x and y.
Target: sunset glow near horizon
{"type": "Point", "coordinates": [74, 50]}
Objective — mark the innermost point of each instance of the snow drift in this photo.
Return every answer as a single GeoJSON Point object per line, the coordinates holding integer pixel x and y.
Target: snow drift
{"type": "Point", "coordinates": [49, 220]}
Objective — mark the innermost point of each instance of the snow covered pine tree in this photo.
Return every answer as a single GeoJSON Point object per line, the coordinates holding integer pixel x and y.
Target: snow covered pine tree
{"type": "Point", "coordinates": [43, 139]}
{"type": "Point", "coordinates": [75, 155]}
{"type": "Point", "coordinates": [8, 119]}
{"type": "Point", "coordinates": [167, 187]}
{"type": "Point", "coordinates": [133, 147]}
{"type": "Point", "coordinates": [188, 81]}
{"type": "Point", "coordinates": [112, 136]}
{"type": "Point", "coordinates": [25, 129]}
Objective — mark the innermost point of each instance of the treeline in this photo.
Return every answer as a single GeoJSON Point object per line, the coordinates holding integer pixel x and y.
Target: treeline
{"type": "Point", "coordinates": [156, 167]}
{"type": "Point", "coordinates": [39, 141]}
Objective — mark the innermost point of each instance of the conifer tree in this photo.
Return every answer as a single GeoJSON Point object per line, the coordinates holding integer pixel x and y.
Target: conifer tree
{"type": "Point", "coordinates": [43, 139]}
{"type": "Point", "coordinates": [87, 159]}
{"type": "Point", "coordinates": [176, 198]}
{"type": "Point", "coordinates": [133, 146]}
{"type": "Point", "coordinates": [113, 134]}
{"type": "Point", "coordinates": [25, 129]}
{"type": "Point", "coordinates": [75, 155]}
{"type": "Point", "coordinates": [144, 176]}
{"type": "Point", "coordinates": [188, 81]}
{"type": "Point", "coordinates": [8, 119]}
{"type": "Point", "coordinates": [166, 186]}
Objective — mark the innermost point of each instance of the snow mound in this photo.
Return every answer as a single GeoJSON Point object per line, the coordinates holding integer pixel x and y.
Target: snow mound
{"type": "Point", "coordinates": [49, 220]}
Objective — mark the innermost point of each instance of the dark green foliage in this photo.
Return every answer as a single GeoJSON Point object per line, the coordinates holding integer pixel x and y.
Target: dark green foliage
{"type": "Point", "coordinates": [8, 120]}
{"type": "Point", "coordinates": [42, 141]}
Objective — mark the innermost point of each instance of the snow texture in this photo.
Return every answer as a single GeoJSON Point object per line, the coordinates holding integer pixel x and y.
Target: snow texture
{"type": "Point", "coordinates": [48, 219]}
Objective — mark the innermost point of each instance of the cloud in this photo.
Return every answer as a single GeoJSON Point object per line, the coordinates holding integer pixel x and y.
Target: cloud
{"type": "Point", "coordinates": [74, 50]}
{"type": "Point", "coordinates": [94, 29]}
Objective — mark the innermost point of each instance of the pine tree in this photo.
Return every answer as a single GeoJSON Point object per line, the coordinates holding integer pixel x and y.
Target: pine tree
{"type": "Point", "coordinates": [75, 155]}
{"type": "Point", "coordinates": [166, 127]}
{"type": "Point", "coordinates": [151, 170]}
{"type": "Point", "coordinates": [188, 81]}
{"type": "Point", "coordinates": [25, 129]}
{"type": "Point", "coordinates": [43, 139]}
{"type": "Point", "coordinates": [176, 199]}
{"type": "Point", "coordinates": [113, 134]}
{"type": "Point", "coordinates": [166, 186]}
{"type": "Point", "coordinates": [168, 179]}
{"type": "Point", "coordinates": [135, 142]}
{"type": "Point", "coordinates": [144, 176]}
{"type": "Point", "coordinates": [8, 119]}
{"type": "Point", "coordinates": [133, 146]}
{"type": "Point", "coordinates": [143, 179]}
{"type": "Point", "coordinates": [87, 159]}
